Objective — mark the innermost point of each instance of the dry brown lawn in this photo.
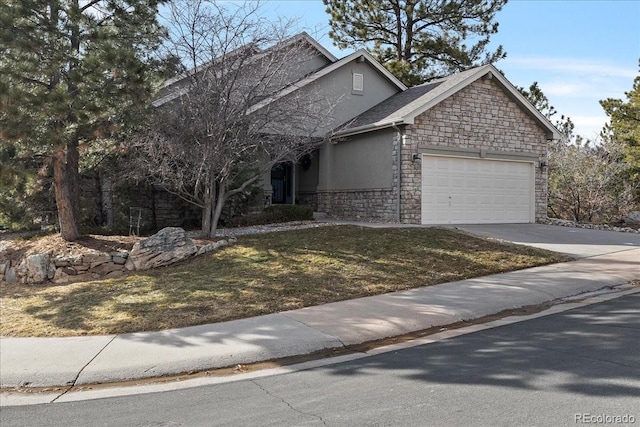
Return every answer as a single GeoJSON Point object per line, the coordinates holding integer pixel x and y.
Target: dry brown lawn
{"type": "Point", "coordinates": [262, 274]}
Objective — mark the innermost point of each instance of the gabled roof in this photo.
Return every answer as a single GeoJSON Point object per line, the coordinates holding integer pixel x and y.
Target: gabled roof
{"type": "Point", "coordinates": [359, 55]}
{"type": "Point", "coordinates": [301, 37]}
{"type": "Point", "coordinates": [306, 37]}
{"type": "Point", "coordinates": [404, 107]}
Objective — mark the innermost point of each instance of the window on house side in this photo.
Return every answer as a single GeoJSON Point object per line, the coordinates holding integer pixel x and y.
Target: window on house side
{"type": "Point", "coordinates": [358, 82]}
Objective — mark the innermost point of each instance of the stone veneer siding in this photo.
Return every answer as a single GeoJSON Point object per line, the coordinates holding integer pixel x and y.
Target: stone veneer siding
{"type": "Point", "coordinates": [480, 116]}
{"type": "Point", "coordinates": [378, 203]}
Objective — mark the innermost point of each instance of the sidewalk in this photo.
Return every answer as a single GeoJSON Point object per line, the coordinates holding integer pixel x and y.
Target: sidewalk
{"type": "Point", "coordinates": [44, 362]}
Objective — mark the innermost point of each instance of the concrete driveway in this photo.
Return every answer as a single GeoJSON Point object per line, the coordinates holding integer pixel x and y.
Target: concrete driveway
{"type": "Point", "coordinates": [575, 242]}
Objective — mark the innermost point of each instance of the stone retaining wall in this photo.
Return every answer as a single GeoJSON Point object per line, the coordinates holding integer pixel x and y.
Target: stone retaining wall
{"type": "Point", "coordinates": [46, 267]}
{"type": "Point", "coordinates": [158, 250]}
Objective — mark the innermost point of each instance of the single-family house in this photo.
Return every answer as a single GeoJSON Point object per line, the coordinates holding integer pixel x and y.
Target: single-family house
{"type": "Point", "coordinates": [467, 148]}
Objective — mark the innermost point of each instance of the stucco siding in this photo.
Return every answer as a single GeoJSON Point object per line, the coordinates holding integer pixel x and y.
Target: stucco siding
{"type": "Point", "coordinates": [362, 176]}
{"type": "Point", "coordinates": [362, 162]}
{"type": "Point", "coordinates": [478, 121]}
{"type": "Point", "coordinates": [336, 89]}
{"type": "Point", "coordinates": [307, 60]}
{"type": "Point", "coordinates": [307, 180]}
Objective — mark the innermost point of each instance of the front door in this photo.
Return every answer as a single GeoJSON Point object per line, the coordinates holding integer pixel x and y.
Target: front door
{"type": "Point", "coordinates": [281, 182]}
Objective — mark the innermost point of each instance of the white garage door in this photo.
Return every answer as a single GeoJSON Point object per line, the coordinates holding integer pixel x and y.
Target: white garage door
{"type": "Point", "coordinates": [476, 191]}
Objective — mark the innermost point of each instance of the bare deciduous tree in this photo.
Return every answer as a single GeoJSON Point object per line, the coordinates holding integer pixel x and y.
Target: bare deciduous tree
{"type": "Point", "coordinates": [239, 109]}
{"type": "Point", "coordinates": [587, 182]}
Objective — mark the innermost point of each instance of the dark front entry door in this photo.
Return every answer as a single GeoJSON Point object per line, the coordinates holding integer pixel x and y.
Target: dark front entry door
{"type": "Point", "coordinates": [281, 182]}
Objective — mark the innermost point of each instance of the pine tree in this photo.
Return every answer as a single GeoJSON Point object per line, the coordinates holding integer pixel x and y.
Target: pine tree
{"type": "Point", "coordinates": [73, 72]}
{"type": "Point", "coordinates": [625, 125]}
{"type": "Point", "coordinates": [418, 39]}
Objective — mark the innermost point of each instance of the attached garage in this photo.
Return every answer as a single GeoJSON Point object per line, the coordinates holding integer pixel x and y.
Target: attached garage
{"type": "Point", "coordinates": [459, 190]}
{"type": "Point", "coordinates": [466, 149]}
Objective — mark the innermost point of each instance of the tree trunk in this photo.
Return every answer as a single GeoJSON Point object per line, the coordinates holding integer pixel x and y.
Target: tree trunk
{"type": "Point", "coordinates": [222, 195]}
{"type": "Point", "coordinates": [66, 182]}
{"type": "Point", "coordinates": [106, 193]}
{"type": "Point", "coordinates": [208, 210]}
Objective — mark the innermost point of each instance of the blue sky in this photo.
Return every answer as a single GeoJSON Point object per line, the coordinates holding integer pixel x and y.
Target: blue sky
{"type": "Point", "coordinates": [578, 51]}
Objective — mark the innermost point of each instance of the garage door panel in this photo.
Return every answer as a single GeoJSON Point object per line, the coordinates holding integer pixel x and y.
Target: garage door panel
{"type": "Point", "coordinates": [461, 190]}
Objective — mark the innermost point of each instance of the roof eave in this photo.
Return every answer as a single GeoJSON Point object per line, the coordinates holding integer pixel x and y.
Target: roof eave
{"type": "Point", "coordinates": [318, 46]}
{"type": "Point", "coordinates": [513, 93]}
{"type": "Point", "coordinates": [369, 128]}
{"type": "Point", "coordinates": [552, 132]}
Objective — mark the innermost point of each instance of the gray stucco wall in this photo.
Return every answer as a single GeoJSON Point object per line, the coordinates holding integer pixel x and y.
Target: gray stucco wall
{"type": "Point", "coordinates": [337, 88]}
{"type": "Point", "coordinates": [362, 177]}
{"type": "Point", "coordinates": [307, 60]}
{"type": "Point", "coordinates": [360, 162]}
{"type": "Point", "coordinates": [307, 180]}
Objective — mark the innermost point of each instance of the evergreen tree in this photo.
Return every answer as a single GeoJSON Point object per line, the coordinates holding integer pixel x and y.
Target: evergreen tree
{"type": "Point", "coordinates": [625, 125]}
{"type": "Point", "coordinates": [539, 100]}
{"type": "Point", "coordinates": [418, 39]}
{"type": "Point", "coordinates": [73, 72]}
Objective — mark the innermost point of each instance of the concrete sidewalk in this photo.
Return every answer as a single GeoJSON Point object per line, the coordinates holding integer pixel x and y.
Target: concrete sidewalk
{"type": "Point", "coordinates": [44, 362]}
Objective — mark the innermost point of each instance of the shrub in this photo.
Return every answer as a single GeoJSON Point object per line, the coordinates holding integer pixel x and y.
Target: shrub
{"type": "Point", "coordinates": [274, 214]}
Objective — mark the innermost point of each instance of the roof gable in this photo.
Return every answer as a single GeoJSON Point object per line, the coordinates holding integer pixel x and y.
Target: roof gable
{"type": "Point", "coordinates": [404, 107]}
{"type": "Point", "coordinates": [177, 86]}
{"type": "Point", "coordinates": [360, 55]}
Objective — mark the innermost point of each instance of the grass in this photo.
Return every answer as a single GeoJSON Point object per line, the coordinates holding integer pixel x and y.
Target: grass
{"type": "Point", "coordinates": [262, 274]}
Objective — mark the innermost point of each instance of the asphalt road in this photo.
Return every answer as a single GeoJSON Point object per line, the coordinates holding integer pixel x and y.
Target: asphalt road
{"type": "Point", "coordinates": [577, 367]}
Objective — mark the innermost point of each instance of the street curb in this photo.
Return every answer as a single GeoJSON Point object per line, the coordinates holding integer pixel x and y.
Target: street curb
{"type": "Point", "coordinates": [21, 397]}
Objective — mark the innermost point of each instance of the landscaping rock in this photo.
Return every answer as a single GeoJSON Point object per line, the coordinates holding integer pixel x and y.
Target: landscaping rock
{"type": "Point", "coordinates": [96, 260]}
{"type": "Point", "coordinates": [633, 216]}
{"type": "Point", "coordinates": [61, 261]}
{"type": "Point", "coordinates": [106, 268]}
{"type": "Point", "coordinates": [212, 247]}
{"type": "Point", "coordinates": [61, 276]}
{"type": "Point", "coordinates": [36, 268]}
{"type": "Point", "coordinates": [604, 227]}
{"type": "Point", "coordinates": [167, 246]}
{"type": "Point", "coordinates": [118, 260]}
{"type": "Point", "coordinates": [119, 257]}
{"type": "Point", "coordinates": [10, 275]}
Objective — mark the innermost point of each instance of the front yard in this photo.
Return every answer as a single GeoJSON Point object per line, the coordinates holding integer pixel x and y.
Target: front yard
{"type": "Point", "coordinates": [261, 274]}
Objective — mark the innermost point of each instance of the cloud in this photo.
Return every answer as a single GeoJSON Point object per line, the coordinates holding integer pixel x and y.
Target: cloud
{"type": "Point", "coordinates": [573, 66]}
{"type": "Point", "coordinates": [562, 89]}
{"type": "Point", "coordinates": [589, 126]}
{"type": "Point", "coordinates": [584, 88]}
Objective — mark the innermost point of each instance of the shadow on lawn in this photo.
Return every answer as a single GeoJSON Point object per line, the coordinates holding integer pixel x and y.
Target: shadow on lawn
{"type": "Point", "coordinates": [282, 275]}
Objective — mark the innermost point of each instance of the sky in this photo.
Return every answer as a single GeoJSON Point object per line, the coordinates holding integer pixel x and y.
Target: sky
{"type": "Point", "coordinates": [579, 51]}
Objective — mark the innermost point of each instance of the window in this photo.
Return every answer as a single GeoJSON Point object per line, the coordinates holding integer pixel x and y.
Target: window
{"type": "Point", "coordinates": [358, 82]}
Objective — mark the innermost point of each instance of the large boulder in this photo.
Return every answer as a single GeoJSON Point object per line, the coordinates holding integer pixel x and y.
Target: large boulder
{"type": "Point", "coordinates": [36, 268]}
{"type": "Point", "coordinates": [633, 216]}
{"type": "Point", "coordinates": [167, 246]}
